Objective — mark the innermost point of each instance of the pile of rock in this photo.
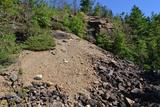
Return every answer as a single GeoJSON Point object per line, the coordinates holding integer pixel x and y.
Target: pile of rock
{"type": "Point", "coordinates": [36, 95]}
{"type": "Point", "coordinates": [122, 86]}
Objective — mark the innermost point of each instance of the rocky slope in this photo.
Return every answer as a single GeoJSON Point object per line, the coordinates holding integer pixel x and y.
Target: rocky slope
{"type": "Point", "coordinates": [75, 74]}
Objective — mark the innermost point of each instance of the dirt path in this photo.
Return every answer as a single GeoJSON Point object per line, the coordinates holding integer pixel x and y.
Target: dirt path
{"type": "Point", "coordinates": [69, 65]}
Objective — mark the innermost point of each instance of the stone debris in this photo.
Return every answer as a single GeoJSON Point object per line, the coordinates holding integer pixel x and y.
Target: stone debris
{"type": "Point", "coordinates": [119, 84]}
{"type": "Point", "coordinates": [65, 61]}
{"type": "Point", "coordinates": [36, 95]}
{"type": "Point", "coordinates": [13, 77]}
{"type": "Point", "coordinates": [38, 77]}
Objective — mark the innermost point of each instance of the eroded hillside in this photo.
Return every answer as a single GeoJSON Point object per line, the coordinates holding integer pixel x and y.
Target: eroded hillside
{"type": "Point", "coordinates": [75, 74]}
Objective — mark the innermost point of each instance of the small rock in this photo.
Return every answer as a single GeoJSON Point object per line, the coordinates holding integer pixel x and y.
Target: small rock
{"type": "Point", "coordinates": [102, 68]}
{"type": "Point", "coordinates": [88, 106]}
{"type": "Point", "coordinates": [106, 85]}
{"type": "Point", "coordinates": [2, 95]}
{"type": "Point", "coordinates": [38, 77]}
{"type": "Point", "coordinates": [3, 103]}
{"type": "Point", "coordinates": [53, 52]}
{"type": "Point", "coordinates": [49, 84]}
{"type": "Point", "coordinates": [92, 103]}
{"type": "Point", "coordinates": [37, 84]}
{"type": "Point", "coordinates": [110, 73]}
{"type": "Point", "coordinates": [13, 97]}
{"type": "Point", "coordinates": [129, 84]}
{"type": "Point", "coordinates": [63, 50]}
{"type": "Point", "coordinates": [115, 103]}
{"type": "Point", "coordinates": [13, 77]}
{"type": "Point", "coordinates": [57, 104]}
{"type": "Point", "coordinates": [64, 41]}
{"type": "Point", "coordinates": [82, 63]}
{"type": "Point", "coordinates": [136, 91]}
{"type": "Point", "coordinates": [121, 87]}
{"type": "Point", "coordinates": [65, 61]}
{"type": "Point", "coordinates": [96, 82]}
{"type": "Point", "coordinates": [113, 97]}
{"type": "Point", "coordinates": [129, 101]}
{"type": "Point", "coordinates": [38, 105]}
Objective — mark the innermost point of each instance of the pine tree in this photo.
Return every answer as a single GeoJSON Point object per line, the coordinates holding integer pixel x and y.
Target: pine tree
{"type": "Point", "coordinates": [141, 50]}
{"type": "Point", "coordinates": [86, 6]}
{"type": "Point", "coordinates": [97, 10]}
{"type": "Point", "coordinates": [120, 47]}
{"type": "Point", "coordinates": [138, 22]}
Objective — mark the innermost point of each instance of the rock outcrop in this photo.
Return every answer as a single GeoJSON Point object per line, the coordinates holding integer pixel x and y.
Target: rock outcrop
{"type": "Point", "coordinates": [97, 25]}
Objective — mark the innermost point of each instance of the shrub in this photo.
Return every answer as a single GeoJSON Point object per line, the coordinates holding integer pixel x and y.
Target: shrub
{"type": "Point", "coordinates": [8, 49]}
{"type": "Point", "coordinates": [120, 46]}
{"type": "Point", "coordinates": [104, 42]}
{"type": "Point", "coordinates": [41, 42]}
{"type": "Point", "coordinates": [59, 26]}
{"type": "Point", "coordinates": [43, 14]}
{"type": "Point", "coordinates": [77, 25]}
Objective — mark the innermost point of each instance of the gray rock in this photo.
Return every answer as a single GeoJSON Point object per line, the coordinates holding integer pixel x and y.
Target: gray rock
{"type": "Point", "coordinates": [102, 68]}
{"type": "Point", "coordinates": [120, 87]}
{"type": "Point", "coordinates": [57, 104]}
{"type": "Point", "coordinates": [130, 102]}
{"type": "Point", "coordinates": [53, 52]}
{"type": "Point", "coordinates": [65, 61]}
{"type": "Point", "coordinates": [64, 41]}
{"type": "Point", "coordinates": [13, 97]}
{"type": "Point", "coordinates": [38, 77]}
{"type": "Point", "coordinates": [106, 85]}
{"type": "Point", "coordinates": [136, 91]}
{"type": "Point", "coordinates": [93, 103]}
{"type": "Point", "coordinates": [13, 77]}
{"type": "Point", "coordinates": [110, 72]}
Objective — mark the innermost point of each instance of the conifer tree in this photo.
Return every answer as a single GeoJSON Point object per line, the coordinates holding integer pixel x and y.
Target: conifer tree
{"type": "Point", "coordinates": [86, 6]}
{"type": "Point", "coordinates": [138, 22]}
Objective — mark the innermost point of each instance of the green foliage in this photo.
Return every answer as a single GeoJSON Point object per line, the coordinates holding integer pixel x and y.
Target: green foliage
{"type": "Point", "coordinates": [43, 14]}
{"type": "Point", "coordinates": [120, 46]}
{"type": "Point", "coordinates": [102, 11]}
{"type": "Point", "coordinates": [8, 48]}
{"type": "Point", "coordinates": [86, 5]}
{"type": "Point", "coordinates": [77, 25]}
{"type": "Point", "coordinates": [104, 42]}
{"type": "Point", "coordinates": [9, 7]}
{"type": "Point", "coordinates": [141, 53]}
{"type": "Point", "coordinates": [27, 21]}
{"type": "Point", "coordinates": [41, 42]}
{"type": "Point", "coordinates": [137, 22]}
{"type": "Point", "coordinates": [97, 10]}
{"type": "Point", "coordinates": [153, 55]}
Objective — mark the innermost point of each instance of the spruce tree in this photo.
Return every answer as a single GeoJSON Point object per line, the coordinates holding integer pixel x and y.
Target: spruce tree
{"type": "Point", "coordinates": [97, 10]}
{"type": "Point", "coordinates": [86, 6]}
{"type": "Point", "coordinates": [120, 46]}
{"type": "Point", "coordinates": [138, 22]}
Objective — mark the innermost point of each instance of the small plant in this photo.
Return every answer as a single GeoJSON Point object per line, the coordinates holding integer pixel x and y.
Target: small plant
{"type": "Point", "coordinates": [104, 42]}
{"type": "Point", "coordinates": [20, 72]}
{"type": "Point", "coordinates": [120, 46]}
{"type": "Point", "coordinates": [77, 25]}
{"type": "Point", "coordinates": [43, 14]}
{"type": "Point", "coordinates": [41, 42]}
{"type": "Point", "coordinates": [8, 48]}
